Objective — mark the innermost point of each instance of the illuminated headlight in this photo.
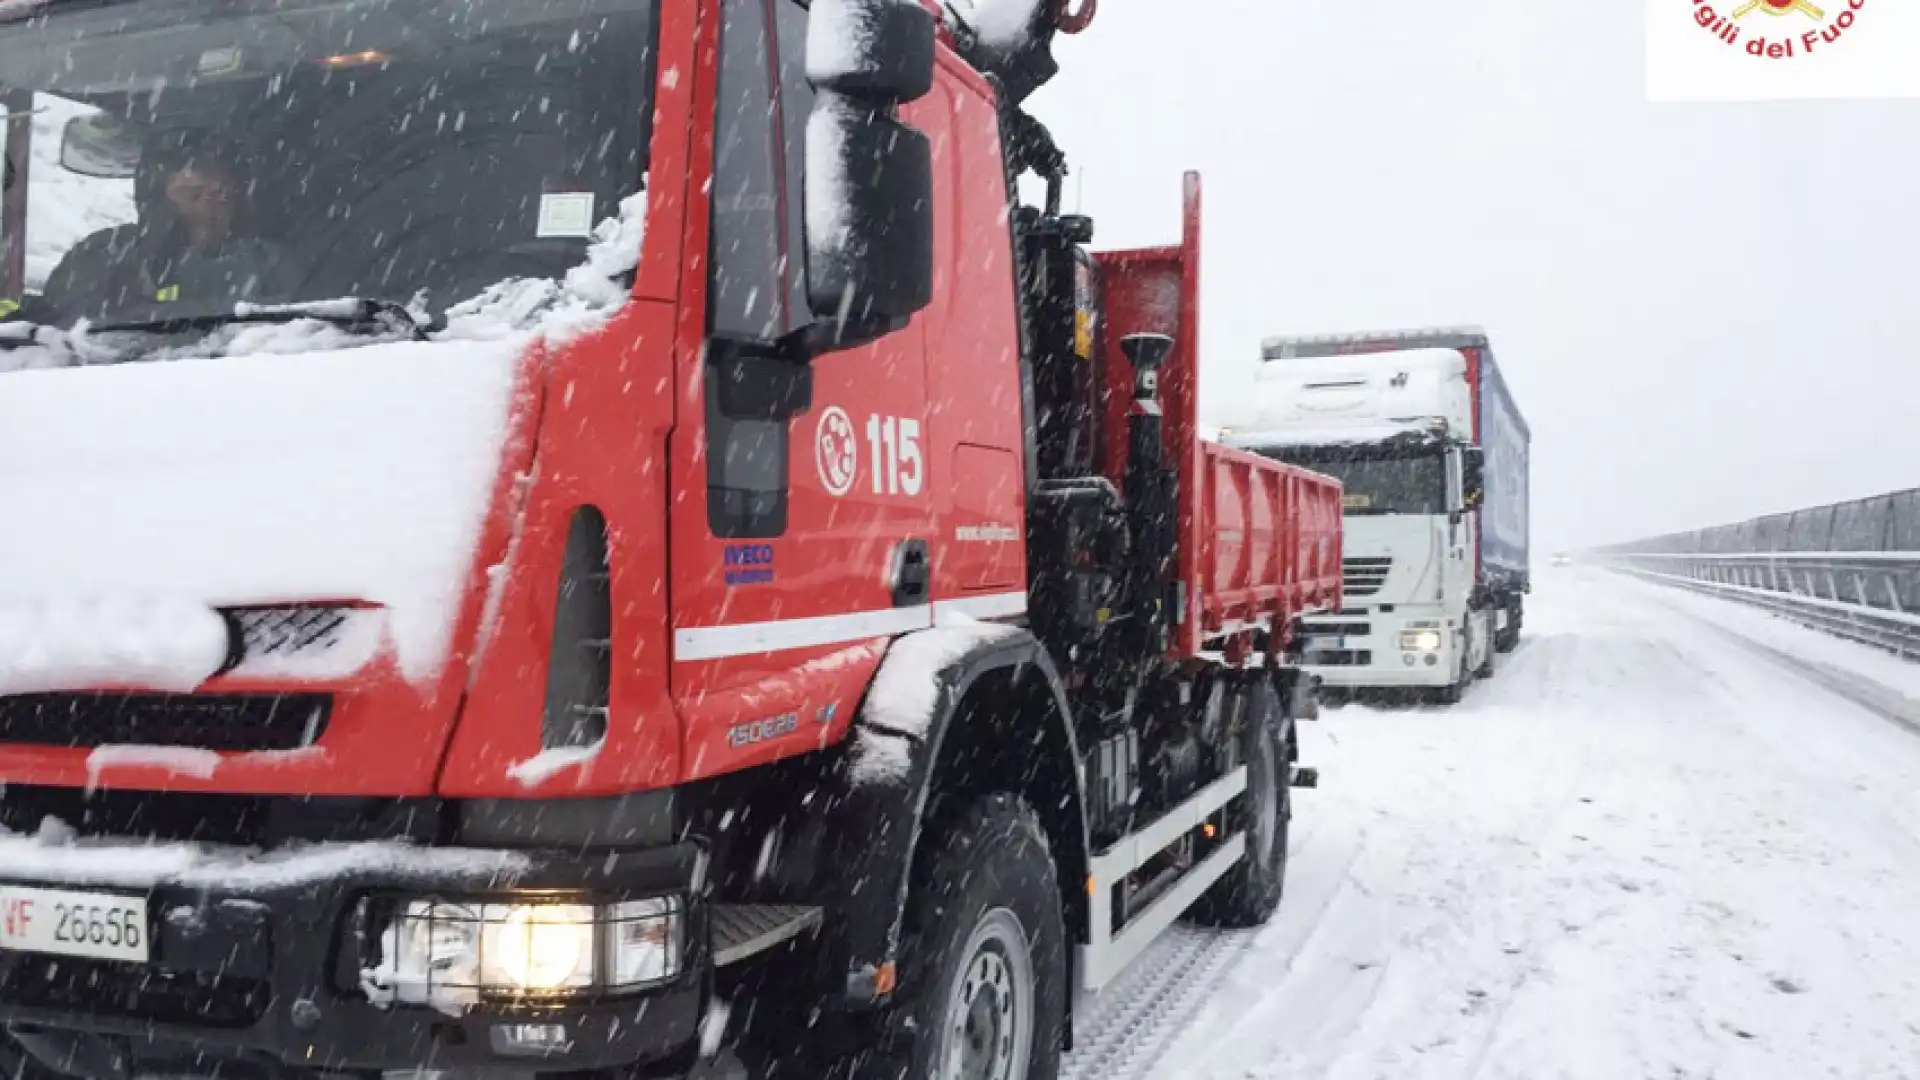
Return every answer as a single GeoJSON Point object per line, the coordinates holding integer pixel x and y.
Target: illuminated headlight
{"type": "Point", "coordinates": [1420, 640]}
{"type": "Point", "coordinates": [452, 954]}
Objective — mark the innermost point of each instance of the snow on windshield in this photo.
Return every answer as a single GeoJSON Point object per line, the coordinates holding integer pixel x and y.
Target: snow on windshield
{"type": "Point", "coordinates": [528, 308]}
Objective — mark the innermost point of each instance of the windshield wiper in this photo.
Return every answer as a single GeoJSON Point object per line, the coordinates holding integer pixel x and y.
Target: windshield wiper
{"type": "Point", "coordinates": [370, 314]}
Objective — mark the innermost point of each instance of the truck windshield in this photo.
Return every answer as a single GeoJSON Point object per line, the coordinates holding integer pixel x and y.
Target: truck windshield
{"type": "Point", "coordinates": [1400, 485]}
{"type": "Point", "coordinates": [189, 156]}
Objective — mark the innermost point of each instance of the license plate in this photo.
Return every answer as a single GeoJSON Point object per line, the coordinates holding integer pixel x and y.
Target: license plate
{"type": "Point", "coordinates": [98, 926]}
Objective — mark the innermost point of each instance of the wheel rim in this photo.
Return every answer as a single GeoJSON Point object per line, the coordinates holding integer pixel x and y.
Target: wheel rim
{"type": "Point", "coordinates": [989, 1020]}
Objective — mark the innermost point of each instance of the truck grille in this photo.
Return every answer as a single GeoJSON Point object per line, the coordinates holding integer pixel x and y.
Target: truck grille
{"type": "Point", "coordinates": [1336, 629]}
{"type": "Point", "coordinates": [133, 992]}
{"type": "Point", "coordinates": [1364, 577]}
{"type": "Point", "coordinates": [281, 631]}
{"type": "Point", "coordinates": [1339, 658]}
{"type": "Point", "coordinates": [235, 723]}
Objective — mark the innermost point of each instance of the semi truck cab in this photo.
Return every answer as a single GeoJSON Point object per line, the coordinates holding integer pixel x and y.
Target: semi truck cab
{"type": "Point", "coordinates": [1399, 420]}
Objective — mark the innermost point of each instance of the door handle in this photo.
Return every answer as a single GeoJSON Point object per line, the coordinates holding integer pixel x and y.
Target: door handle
{"type": "Point", "coordinates": [912, 574]}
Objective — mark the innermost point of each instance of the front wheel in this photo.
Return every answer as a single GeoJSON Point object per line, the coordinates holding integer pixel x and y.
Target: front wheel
{"type": "Point", "coordinates": [983, 960]}
{"type": "Point", "coordinates": [1509, 639]}
{"type": "Point", "coordinates": [1454, 692]}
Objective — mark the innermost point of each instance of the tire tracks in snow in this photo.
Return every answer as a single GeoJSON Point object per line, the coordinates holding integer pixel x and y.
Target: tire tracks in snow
{"type": "Point", "coordinates": [1133, 1025]}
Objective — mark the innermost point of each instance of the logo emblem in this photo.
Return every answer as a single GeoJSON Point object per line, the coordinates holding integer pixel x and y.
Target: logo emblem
{"type": "Point", "coordinates": [1778, 8]}
{"type": "Point", "coordinates": [836, 451]}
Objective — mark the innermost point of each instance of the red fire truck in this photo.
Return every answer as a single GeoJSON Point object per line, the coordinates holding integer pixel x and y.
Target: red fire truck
{"type": "Point", "coordinates": [598, 537]}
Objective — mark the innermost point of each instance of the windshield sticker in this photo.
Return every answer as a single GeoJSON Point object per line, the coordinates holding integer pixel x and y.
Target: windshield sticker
{"type": "Point", "coordinates": [565, 214]}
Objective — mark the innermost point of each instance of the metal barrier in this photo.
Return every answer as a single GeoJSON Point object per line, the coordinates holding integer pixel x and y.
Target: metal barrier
{"type": "Point", "coordinates": [1852, 568]}
{"type": "Point", "coordinates": [1853, 594]}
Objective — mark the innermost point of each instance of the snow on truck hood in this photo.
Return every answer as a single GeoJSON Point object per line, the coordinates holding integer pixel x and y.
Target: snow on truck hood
{"type": "Point", "coordinates": [268, 464]}
{"type": "Point", "coordinates": [141, 496]}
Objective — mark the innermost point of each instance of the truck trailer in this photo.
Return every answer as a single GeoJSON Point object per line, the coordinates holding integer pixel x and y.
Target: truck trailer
{"type": "Point", "coordinates": [1421, 429]}
{"type": "Point", "coordinates": [629, 554]}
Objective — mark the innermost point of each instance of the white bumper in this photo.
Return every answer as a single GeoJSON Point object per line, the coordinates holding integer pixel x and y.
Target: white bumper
{"type": "Point", "coordinates": [1363, 649]}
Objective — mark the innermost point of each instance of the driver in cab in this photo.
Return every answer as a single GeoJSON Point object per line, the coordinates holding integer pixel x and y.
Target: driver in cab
{"type": "Point", "coordinates": [194, 251]}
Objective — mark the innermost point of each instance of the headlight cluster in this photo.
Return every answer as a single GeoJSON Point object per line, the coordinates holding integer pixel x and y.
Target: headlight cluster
{"type": "Point", "coordinates": [449, 954]}
{"type": "Point", "coordinates": [1421, 639]}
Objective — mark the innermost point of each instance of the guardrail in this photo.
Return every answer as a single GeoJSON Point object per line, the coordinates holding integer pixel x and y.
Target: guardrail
{"type": "Point", "coordinates": [1851, 568]}
{"type": "Point", "coordinates": [1865, 596]}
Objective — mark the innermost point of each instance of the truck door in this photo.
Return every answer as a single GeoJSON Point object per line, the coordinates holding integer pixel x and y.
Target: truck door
{"type": "Point", "coordinates": [799, 545]}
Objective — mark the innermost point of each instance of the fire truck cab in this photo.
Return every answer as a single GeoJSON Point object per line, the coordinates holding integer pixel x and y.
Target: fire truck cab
{"type": "Point", "coordinates": [597, 537]}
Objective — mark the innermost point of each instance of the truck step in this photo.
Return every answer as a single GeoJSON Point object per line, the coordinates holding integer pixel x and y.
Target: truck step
{"type": "Point", "coordinates": [744, 930]}
{"type": "Point", "coordinates": [1306, 776]}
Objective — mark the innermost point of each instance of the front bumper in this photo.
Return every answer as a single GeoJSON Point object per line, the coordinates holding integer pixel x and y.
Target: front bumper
{"type": "Point", "coordinates": [269, 974]}
{"type": "Point", "coordinates": [1361, 650]}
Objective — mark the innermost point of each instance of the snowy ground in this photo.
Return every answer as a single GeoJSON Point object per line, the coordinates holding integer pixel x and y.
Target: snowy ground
{"type": "Point", "coordinates": [1646, 849]}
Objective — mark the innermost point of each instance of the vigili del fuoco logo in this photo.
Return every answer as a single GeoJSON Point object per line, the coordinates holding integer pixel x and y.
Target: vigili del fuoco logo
{"type": "Point", "coordinates": [1780, 29]}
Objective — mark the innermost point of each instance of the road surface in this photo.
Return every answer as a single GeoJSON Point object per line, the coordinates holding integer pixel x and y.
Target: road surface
{"type": "Point", "coordinates": [1644, 850]}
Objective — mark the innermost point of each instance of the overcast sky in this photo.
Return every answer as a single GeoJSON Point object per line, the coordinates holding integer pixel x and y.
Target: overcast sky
{"type": "Point", "coordinates": [1706, 312]}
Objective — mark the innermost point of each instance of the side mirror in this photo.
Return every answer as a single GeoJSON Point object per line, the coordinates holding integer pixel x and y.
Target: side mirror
{"type": "Point", "coordinates": [869, 189]}
{"type": "Point", "coordinates": [1473, 489]}
{"type": "Point", "coordinates": [869, 201]}
{"type": "Point", "coordinates": [875, 50]}
{"type": "Point", "coordinates": [100, 146]}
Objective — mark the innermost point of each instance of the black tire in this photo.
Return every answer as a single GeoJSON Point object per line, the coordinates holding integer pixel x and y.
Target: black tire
{"type": "Point", "coordinates": [1251, 891]}
{"type": "Point", "coordinates": [988, 880]}
{"type": "Point", "coordinates": [1453, 693]}
{"type": "Point", "coordinates": [1487, 666]}
{"type": "Point", "coordinates": [1509, 639]}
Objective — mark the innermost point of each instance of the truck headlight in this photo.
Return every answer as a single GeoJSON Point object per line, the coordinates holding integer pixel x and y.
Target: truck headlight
{"type": "Point", "coordinates": [643, 942]}
{"type": "Point", "coordinates": [448, 954]}
{"type": "Point", "coordinates": [1420, 640]}
{"type": "Point", "coordinates": [540, 950]}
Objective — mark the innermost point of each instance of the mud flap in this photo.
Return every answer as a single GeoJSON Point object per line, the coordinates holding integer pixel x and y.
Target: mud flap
{"type": "Point", "coordinates": [1301, 695]}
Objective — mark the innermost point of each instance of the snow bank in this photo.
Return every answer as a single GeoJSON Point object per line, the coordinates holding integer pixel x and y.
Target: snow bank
{"type": "Point", "coordinates": [1858, 663]}
{"type": "Point", "coordinates": [54, 857]}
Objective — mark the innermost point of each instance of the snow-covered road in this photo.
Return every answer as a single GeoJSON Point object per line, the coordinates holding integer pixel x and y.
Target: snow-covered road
{"type": "Point", "coordinates": [1644, 850]}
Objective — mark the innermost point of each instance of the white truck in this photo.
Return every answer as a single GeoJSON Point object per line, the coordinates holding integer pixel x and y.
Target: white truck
{"type": "Point", "coordinates": [1420, 428]}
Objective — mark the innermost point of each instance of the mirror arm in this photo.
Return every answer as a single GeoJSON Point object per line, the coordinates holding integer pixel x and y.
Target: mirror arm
{"type": "Point", "coordinates": [828, 335]}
